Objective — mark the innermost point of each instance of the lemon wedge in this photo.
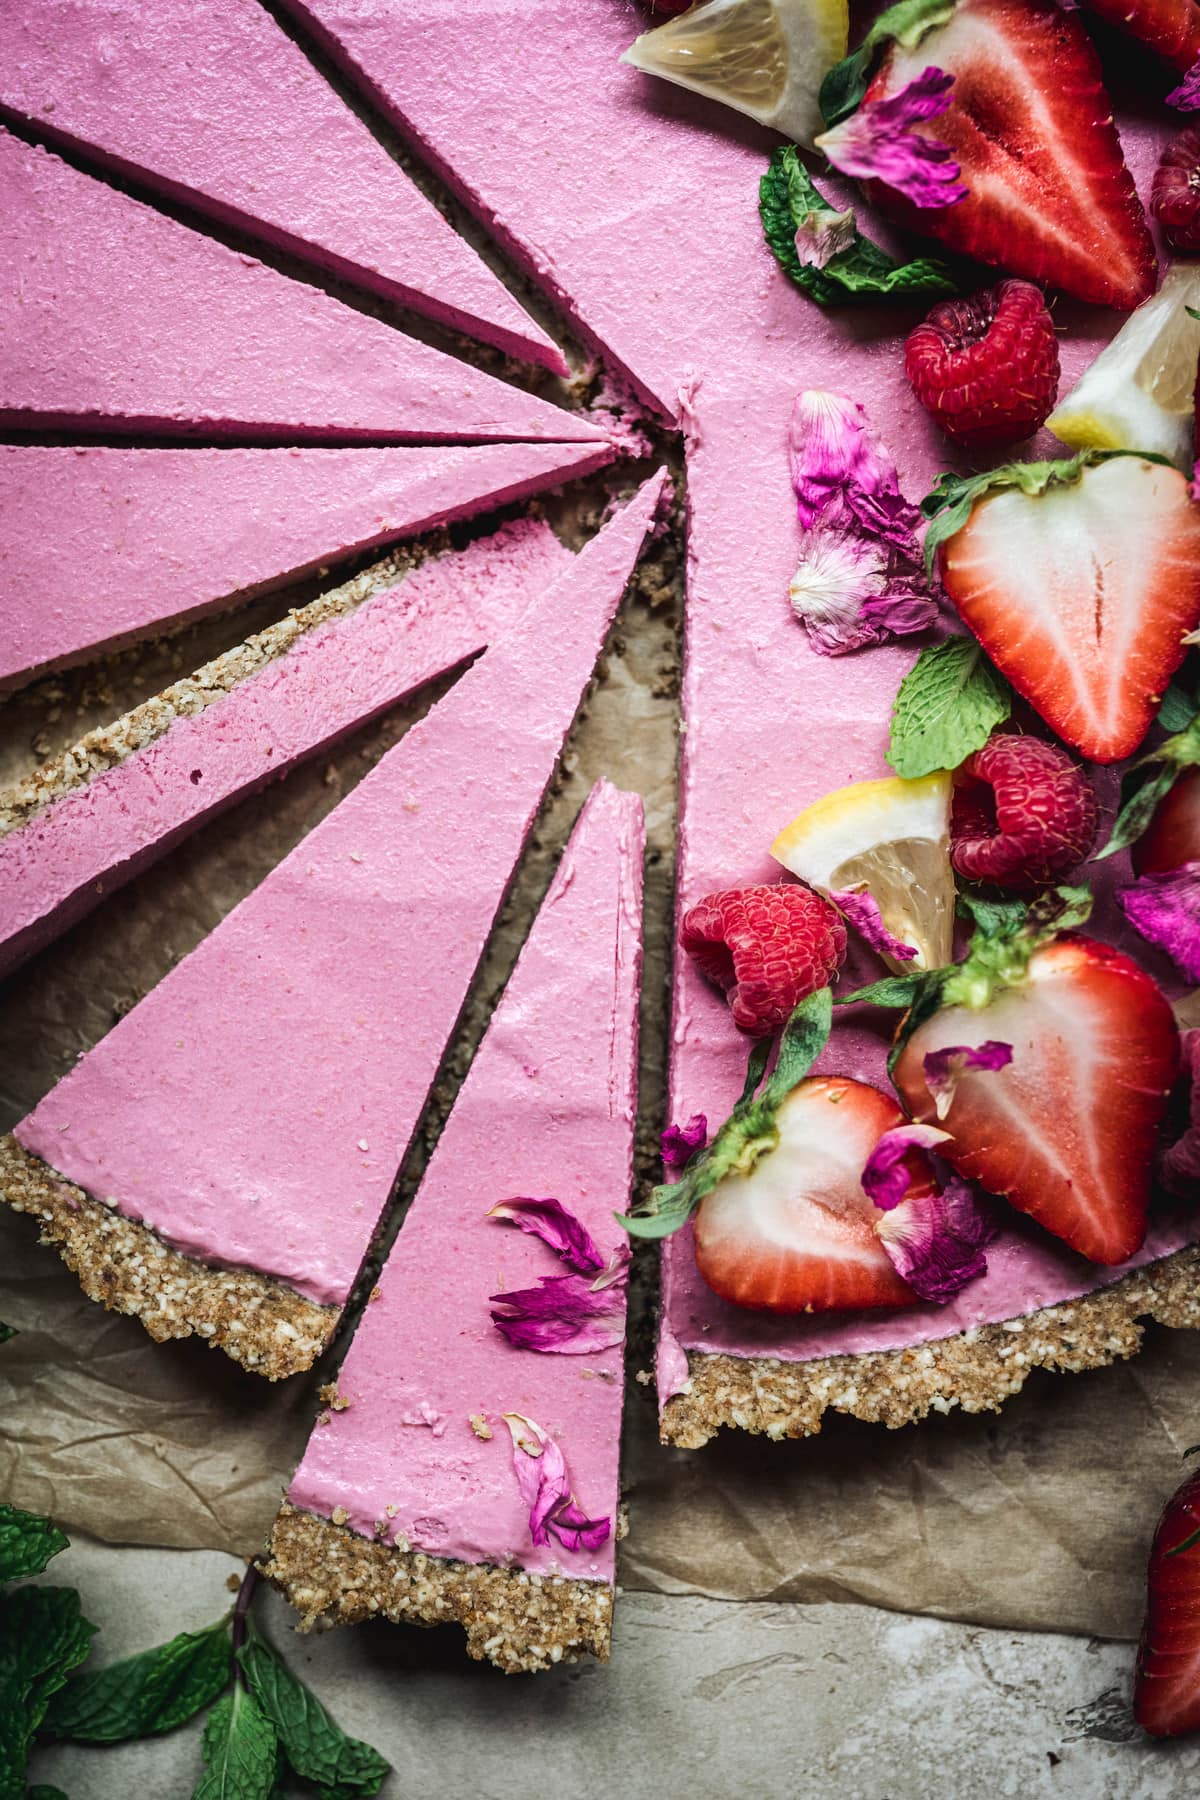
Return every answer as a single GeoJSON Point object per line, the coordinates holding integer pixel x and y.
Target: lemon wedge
{"type": "Point", "coordinates": [1139, 393]}
{"type": "Point", "coordinates": [889, 839]}
{"type": "Point", "coordinates": [767, 58]}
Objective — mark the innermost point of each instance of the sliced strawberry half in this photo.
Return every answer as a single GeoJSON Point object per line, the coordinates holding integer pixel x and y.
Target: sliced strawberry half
{"type": "Point", "coordinates": [1067, 1130]}
{"type": "Point", "coordinates": [1049, 196]}
{"type": "Point", "coordinates": [1170, 27]}
{"type": "Point", "coordinates": [1166, 1694]}
{"type": "Point", "coordinates": [798, 1233]}
{"type": "Point", "coordinates": [1082, 593]}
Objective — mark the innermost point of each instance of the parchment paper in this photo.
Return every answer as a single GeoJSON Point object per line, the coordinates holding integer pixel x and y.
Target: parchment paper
{"type": "Point", "coordinates": [1039, 1517]}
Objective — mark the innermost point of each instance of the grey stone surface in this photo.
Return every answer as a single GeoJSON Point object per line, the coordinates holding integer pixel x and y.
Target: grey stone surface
{"type": "Point", "coordinates": [703, 1698]}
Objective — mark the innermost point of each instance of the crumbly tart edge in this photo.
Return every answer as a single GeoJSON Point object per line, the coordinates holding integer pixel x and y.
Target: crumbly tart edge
{"type": "Point", "coordinates": [978, 1369]}
{"type": "Point", "coordinates": [518, 1621]}
{"type": "Point", "coordinates": [258, 1321]}
{"type": "Point", "coordinates": [109, 745]}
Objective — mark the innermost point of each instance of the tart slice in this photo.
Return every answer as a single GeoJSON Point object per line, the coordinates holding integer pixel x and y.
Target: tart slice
{"type": "Point", "coordinates": [159, 537]}
{"type": "Point", "coordinates": [409, 1501]}
{"type": "Point", "coordinates": [218, 1163]}
{"type": "Point", "coordinates": [95, 816]}
{"type": "Point", "coordinates": [215, 105]}
{"type": "Point", "coordinates": [117, 319]}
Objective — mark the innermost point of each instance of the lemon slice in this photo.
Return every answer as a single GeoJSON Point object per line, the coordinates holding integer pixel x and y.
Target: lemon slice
{"type": "Point", "coordinates": [1139, 393]}
{"type": "Point", "coordinates": [890, 839]}
{"type": "Point", "coordinates": [767, 58]}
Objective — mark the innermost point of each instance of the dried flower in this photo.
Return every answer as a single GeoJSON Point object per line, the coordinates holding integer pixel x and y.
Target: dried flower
{"type": "Point", "coordinates": [1186, 97]}
{"type": "Point", "coordinates": [860, 906]}
{"type": "Point", "coordinates": [936, 1241]}
{"type": "Point", "coordinates": [681, 1142]}
{"type": "Point", "coordinates": [564, 1313]}
{"type": "Point", "coordinates": [944, 1069]}
{"type": "Point", "coordinates": [545, 1487]}
{"type": "Point", "coordinates": [823, 234]}
{"type": "Point", "coordinates": [1165, 909]}
{"type": "Point", "coordinates": [555, 1225]}
{"type": "Point", "coordinates": [878, 143]}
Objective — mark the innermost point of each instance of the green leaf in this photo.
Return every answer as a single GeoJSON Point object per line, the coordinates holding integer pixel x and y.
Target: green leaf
{"type": "Point", "coordinates": [948, 705]}
{"type": "Point", "coordinates": [788, 201]}
{"type": "Point", "coordinates": [42, 1792]}
{"type": "Point", "coordinates": [43, 1636]}
{"type": "Point", "coordinates": [339, 1766]}
{"type": "Point", "coordinates": [992, 917]}
{"type": "Point", "coordinates": [756, 1068]}
{"type": "Point", "coordinates": [27, 1542]}
{"type": "Point", "coordinates": [6, 1332]}
{"type": "Point", "coordinates": [804, 1037]}
{"type": "Point", "coordinates": [907, 23]}
{"type": "Point", "coordinates": [1177, 710]}
{"type": "Point", "coordinates": [1006, 937]}
{"type": "Point", "coordinates": [953, 497]}
{"type": "Point", "coordinates": [1149, 780]}
{"type": "Point", "coordinates": [893, 990]}
{"type": "Point", "coordinates": [239, 1751]}
{"type": "Point", "coordinates": [145, 1694]}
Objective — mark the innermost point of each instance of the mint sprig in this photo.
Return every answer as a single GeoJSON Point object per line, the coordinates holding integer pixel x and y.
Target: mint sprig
{"type": "Point", "coordinates": [144, 1695]}
{"type": "Point", "coordinates": [788, 199]}
{"type": "Point", "coordinates": [339, 1766]}
{"type": "Point", "coordinates": [947, 707]}
{"type": "Point", "coordinates": [750, 1131]}
{"type": "Point", "coordinates": [240, 1751]}
{"type": "Point", "coordinates": [27, 1542]}
{"type": "Point", "coordinates": [43, 1636]}
{"type": "Point", "coordinates": [906, 24]}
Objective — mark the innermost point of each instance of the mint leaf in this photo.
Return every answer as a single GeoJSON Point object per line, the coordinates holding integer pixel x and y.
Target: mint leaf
{"type": "Point", "coordinates": [6, 1332]}
{"type": "Point", "coordinates": [42, 1792]}
{"type": "Point", "coordinates": [43, 1636]}
{"type": "Point", "coordinates": [27, 1542]}
{"type": "Point", "coordinates": [240, 1751]}
{"type": "Point", "coordinates": [787, 199]}
{"type": "Point", "coordinates": [145, 1694]}
{"type": "Point", "coordinates": [907, 23]}
{"type": "Point", "coordinates": [339, 1766]}
{"type": "Point", "coordinates": [1175, 714]}
{"type": "Point", "coordinates": [948, 705]}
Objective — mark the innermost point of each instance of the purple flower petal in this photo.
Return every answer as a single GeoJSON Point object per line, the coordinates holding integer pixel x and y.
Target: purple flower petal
{"type": "Point", "coordinates": [550, 1220]}
{"type": "Point", "coordinates": [681, 1142]}
{"type": "Point", "coordinates": [885, 1179]}
{"type": "Point", "coordinates": [545, 1488]}
{"type": "Point", "coordinates": [563, 1313]}
{"type": "Point", "coordinates": [937, 1241]}
{"type": "Point", "coordinates": [878, 143]}
{"type": "Point", "coordinates": [1179, 1166]}
{"type": "Point", "coordinates": [944, 1069]}
{"type": "Point", "coordinates": [1166, 910]}
{"type": "Point", "coordinates": [1186, 97]}
{"type": "Point", "coordinates": [862, 910]}
{"type": "Point", "coordinates": [841, 472]}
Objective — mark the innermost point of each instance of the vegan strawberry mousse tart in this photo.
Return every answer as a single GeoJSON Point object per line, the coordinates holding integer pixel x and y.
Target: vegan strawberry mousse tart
{"type": "Point", "coordinates": [466, 1467]}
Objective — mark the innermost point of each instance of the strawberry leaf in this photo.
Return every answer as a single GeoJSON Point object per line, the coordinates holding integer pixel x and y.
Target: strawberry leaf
{"type": "Point", "coordinates": [907, 23]}
{"type": "Point", "coordinates": [948, 705]}
{"type": "Point", "coordinates": [788, 201]}
{"type": "Point", "coordinates": [146, 1694]}
{"type": "Point", "coordinates": [1149, 780]}
{"type": "Point", "coordinates": [27, 1542]}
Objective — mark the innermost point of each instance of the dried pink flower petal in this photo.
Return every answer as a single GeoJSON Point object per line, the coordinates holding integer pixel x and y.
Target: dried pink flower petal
{"type": "Point", "coordinates": [885, 1179]}
{"type": "Point", "coordinates": [681, 1142]}
{"type": "Point", "coordinates": [878, 143]}
{"type": "Point", "coordinates": [944, 1069]}
{"type": "Point", "coordinates": [936, 1241]}
{"type": "Point", "coordinates": [1179, 1166]}
{"type": "Point", "coordinates": [861, 908]}
{"type": "Point", "coordinates": [545, 1488]}
{"type": "Point", "coordinates": [1186, 97]}
{"type": "Point", "coordinates": [841, 472]}
{"type": "Point", "coordinates": [1166, 910]}
{"type": "Point", "coordinates": [555, 1225]}
{"type": "Point", "coordinates": [823, 234]}
{"type": "Point", "coordinates": [564, 1313]}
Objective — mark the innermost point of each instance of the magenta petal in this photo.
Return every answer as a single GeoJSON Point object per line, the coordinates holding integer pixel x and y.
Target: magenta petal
{"type": "Point", "coordinates": [937, 1241]}
{"type": "Point", "coordinates": [563, 1313]}
{"type": "Point", "coordinates": [1186, 97]}
{"type": "Point", "coordinates": [681, 1142]}
{"type": "Point", "coordinates": [1179, 1167]}
{"type": "Point", "coordinates": [840, 468]}
{"type": "Point", "coordinates": [863, 912]}
{"type": "Point", "coordinates": [1166, 910]}
{"type": "Point", "coordinates": [885, 1179]}
{"type": "Point", "coordinates": [550, 1220]}
{"type": "Point", "coordinates": [944, 1069]}
{"type": "Point", "coordinates": [575, 1531]}
{"type": "Point", "coordinates": [878, 143]}
{"type": "Point", "coordinates": [544, 1486]}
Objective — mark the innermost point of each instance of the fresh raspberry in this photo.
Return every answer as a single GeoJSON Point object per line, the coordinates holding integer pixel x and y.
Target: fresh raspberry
{"type": "Point", "coordinates": [986, 368]}
{"type": "Point", "coordinates": [1023, 813]}
{"type": "Point", "coordinates": [768, 947]}
{"type": "Point", "coordinates": [1175, 195]}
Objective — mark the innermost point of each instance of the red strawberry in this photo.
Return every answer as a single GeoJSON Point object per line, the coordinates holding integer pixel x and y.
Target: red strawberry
{"type": "Point", "coordinates": [1082, 594]}
{"type": "Point", "coordinates": [987, 367]}
{"type": "Point", "coordinates": [767, 947]}
{"type": "Point", "coordinates": [1031, 127]}
{"type": "Point", "coordinates": [1172, 27]}
{"type": "Point", "coordinates": [1175, 195]}
{"type": "Point", "coordinates": [798, 1234]}
{"type": "Point", "coordinates": [1023, 813]}
{"type": "Point", "coordinates": [1166, 1693]}
{"type": "Point", "coordinates": [1067, 1130]}
{"type": "Point", "coordinates": [1172, 837]}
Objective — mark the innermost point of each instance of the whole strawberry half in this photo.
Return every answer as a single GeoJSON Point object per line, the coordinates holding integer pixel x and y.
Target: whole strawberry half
{"type": "Point", "coordinates": [986, 368]}
{"type": "Point", "coordinates": [766, 947]}
{"type": "Point", "coordinates": [1067, 1130]}
{"type": "Point", "coordinates": [1175, 194]}
{"type": "Point", "coordinates": [1049, 196]}
{"type": "Point", "coordinates": [1166, 1693]}
{"type": "Point", "coordinates": [798, 1233]}
{"type": "Point", "coordinates": [1172, 838]}
{"type": "Point", "coordinates": [1082, 591]}
{"type": "Point", "coordinates": [1023, 813]}
{"type": "Point", "coordinates": [1170, 27]}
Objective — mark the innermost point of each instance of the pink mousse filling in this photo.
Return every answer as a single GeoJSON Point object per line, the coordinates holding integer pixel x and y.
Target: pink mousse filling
{"type": "Point", "coordinates": [341, 673]}
{"type": "Point", "coordinates": [700, 320]}
{"type": "Point", "coordinates": [547, 1110]}
{"type": "Point", "coordinates": [254, 1107]}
